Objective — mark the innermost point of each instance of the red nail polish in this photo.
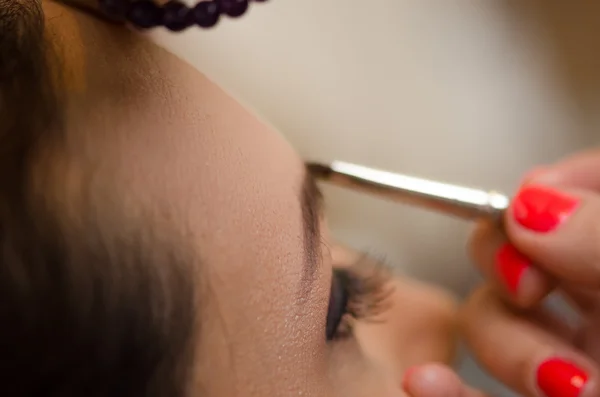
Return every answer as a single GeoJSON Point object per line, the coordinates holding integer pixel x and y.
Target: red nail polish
{"type": "Point", "coordinates": [511, 265]}
{"type": "Point", "coordinates": [560, 378]}
{"type": "Point", "coordinates": [542, 209]}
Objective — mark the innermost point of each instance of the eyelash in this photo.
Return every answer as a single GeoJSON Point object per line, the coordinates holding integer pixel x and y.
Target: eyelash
{"type": "Point", "coordinates": [358, 292]}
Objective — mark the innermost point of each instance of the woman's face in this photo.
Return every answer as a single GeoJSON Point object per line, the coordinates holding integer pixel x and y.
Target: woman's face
{"type": "Point", "coordinates": [160, 134]}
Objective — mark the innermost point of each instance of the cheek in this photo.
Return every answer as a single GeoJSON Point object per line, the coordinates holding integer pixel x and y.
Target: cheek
{"type": "Point", "coordinates": [272, 345]}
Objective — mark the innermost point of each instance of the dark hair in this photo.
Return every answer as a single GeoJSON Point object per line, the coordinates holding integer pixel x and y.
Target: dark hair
{"type": "Point", "coordinates": [89, 311]}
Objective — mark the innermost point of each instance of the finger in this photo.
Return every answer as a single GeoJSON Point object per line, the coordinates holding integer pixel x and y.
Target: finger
{"type": "Point", "coordinates": [511, 272]}
{"type": "Point", "coordinates": [553, 323]}
{"type": "Point", "coordinates": [523, 355]}
{"type": "Point", "coordinates": [436, 380]}
{"type": "Point", "coordinates": [583, 299]}
{"type": "Point", "coordinates": [519, 282]}
{"type": "Point", "coordinates": [588, 339]}
{"type": "Point", "coordinates": [579, 171]}
{"type": "Point", "coordinates": [558, 229]}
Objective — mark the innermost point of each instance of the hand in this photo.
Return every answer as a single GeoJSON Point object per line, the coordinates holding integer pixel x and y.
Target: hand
{"type": "Point", "coordinates": [552, 242]}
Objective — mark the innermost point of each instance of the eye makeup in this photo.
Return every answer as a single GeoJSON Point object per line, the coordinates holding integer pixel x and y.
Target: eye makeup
{"type": "Point", "coordinates": [358, 292]}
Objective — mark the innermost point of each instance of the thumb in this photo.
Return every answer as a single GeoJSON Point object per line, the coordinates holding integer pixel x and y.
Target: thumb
{"type": "Point", "coordinates": [581, 170]}
{"type": "Point", "coordinates": [558, 229]}
{"type": "Point", "coordinates": [436, 380]}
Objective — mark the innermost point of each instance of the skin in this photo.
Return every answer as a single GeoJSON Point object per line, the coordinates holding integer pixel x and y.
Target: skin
{"type": "Point", "coordinates": [509, 330]}
{"type": "Point", "coordinates": [149, 134]}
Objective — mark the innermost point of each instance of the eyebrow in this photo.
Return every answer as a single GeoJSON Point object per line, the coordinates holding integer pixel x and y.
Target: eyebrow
{"type": "Point", "coordinates": [311, 201]}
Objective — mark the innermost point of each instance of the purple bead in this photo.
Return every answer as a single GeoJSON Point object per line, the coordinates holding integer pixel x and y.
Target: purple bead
{"type": "Point", "coordinates": [115, 8]}
{"type": "Point", "coordinates": [206, 13]}
{"type": "Point", "coordinates": [145, 14]}
{"type": "Point", "coordinates": [177, 16]}
{"type": "Point", "coordinates": [234, 8]}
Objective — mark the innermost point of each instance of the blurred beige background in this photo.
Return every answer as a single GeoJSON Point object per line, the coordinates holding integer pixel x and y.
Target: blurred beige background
{"type": "Point", "coordinates": [471, 92]}
{"type": "Point", "coordinates": [461, 91]}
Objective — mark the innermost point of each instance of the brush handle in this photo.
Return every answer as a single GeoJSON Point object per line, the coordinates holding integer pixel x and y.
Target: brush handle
{"type": "Point", "coordinates": [453, 200]}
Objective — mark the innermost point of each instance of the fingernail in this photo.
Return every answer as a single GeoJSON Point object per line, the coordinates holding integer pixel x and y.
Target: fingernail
{"type": "Point", "coordinates": [560, 378]}
{"type": "Point", "coordinates": [407, 375]}
{"type": "Point", "coordinates": [542, 209]}
{"type": "Point", "coordinates": [511, 265]}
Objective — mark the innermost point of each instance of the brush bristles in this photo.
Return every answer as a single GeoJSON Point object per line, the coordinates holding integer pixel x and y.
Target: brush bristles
{"type": "Point", "coordinates": [319, 171]}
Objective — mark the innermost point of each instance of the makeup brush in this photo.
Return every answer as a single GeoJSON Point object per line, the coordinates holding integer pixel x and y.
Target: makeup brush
{"type": "Point", "coordinates": [453, 200]}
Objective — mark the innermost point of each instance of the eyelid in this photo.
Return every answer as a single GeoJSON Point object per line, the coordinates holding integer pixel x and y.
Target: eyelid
{"type": "Point", "coordinates": [364, 294]}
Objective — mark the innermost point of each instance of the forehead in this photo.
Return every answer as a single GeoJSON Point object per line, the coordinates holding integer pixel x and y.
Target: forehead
{"type": "Point", "coordinates": [171, 140]}
{"type": "Point", "coordinates": [142, 114]}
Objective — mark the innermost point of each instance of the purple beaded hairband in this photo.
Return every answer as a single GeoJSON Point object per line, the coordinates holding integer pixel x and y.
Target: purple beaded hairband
{"type": "Point", "coordinates": [174, 15]}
